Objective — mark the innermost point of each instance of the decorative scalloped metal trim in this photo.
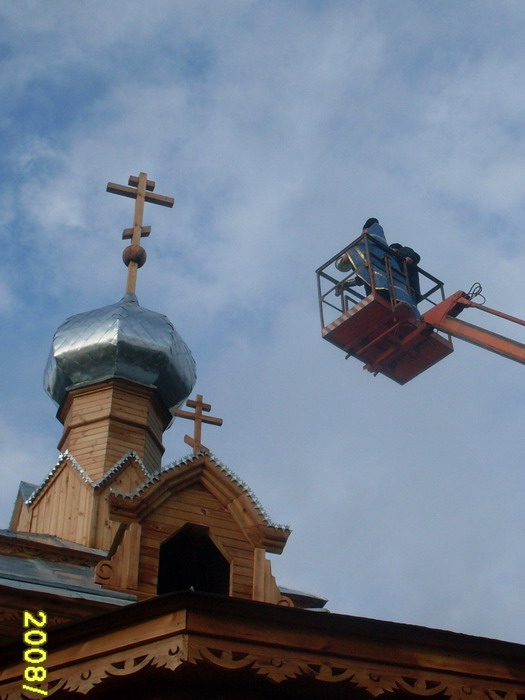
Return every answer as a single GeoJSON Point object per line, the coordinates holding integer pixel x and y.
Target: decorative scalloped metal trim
{"type": "Point", "coordinates": [173, 466]}
{"type": "Point", "coordinates": [249, 492]}
{"type": "Point", "coordinates": [61, 459]}
{"type": "Point", "coordinates": [153, 478]}
{"type": "Point", "coordinates": [118, 466]}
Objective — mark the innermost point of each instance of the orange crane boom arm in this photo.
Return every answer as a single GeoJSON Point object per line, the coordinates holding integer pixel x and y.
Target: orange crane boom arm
{"type": "Point", "coordinates": [443, 317]}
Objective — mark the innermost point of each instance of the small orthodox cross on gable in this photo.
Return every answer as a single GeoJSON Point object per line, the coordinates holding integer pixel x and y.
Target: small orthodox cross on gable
{"type": "Point", "coordinates": [199, 419]}
{"type": "Point", "coordinates": [141, 190]}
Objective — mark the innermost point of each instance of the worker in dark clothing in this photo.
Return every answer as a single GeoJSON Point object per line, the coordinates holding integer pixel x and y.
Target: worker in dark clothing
{"type": "Point", "coordinates": [366, 260]}
{"type": "Point", "coordinates": [407, 256]}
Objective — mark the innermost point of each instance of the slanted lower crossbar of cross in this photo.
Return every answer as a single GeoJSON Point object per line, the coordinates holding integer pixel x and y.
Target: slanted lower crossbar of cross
{"type": "Point", "coordinates": [199, 419]}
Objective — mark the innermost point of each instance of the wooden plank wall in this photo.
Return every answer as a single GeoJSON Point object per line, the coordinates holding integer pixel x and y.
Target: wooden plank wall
{"type": "Point", "coordinates": [104, 422]}
{"type": "Point", "coordinates": [72, 509]}
{"type": "Point", "coordinates": [126, 481]}
{"type": "Point", "coordinates": [137, 424]}
{"type": "Point", "coordinates": [197, 506]}
{"type": "Point", "coordinates": [65, 507]}
{"type": "Point", "coordinates": [86, 428]}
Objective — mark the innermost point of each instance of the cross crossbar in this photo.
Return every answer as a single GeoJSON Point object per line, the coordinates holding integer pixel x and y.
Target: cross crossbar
{"type": "Point", "coordinates": [132, 193]}
{"type": "Point", "coordinates": [199, 419]}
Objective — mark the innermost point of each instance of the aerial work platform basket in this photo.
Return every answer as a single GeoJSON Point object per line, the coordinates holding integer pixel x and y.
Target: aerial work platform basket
{"type": "Point", "coordinates": [371, 313]}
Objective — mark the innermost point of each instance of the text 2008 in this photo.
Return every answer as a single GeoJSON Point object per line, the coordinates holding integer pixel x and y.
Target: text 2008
{"type": "Point", "coordinates": [35, 655]}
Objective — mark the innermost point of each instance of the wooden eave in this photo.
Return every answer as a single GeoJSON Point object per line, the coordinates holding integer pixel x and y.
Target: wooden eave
{"type": "Point", "coordinates": [56, 583]}
{"type": "Point", "coordinates": [30, 545]}
{"type": "Point", "coordinates": [195, 631]}
{"type": "Point", "coordinates": [232, 496]}
{"type": "Point", "coordinates": [60, 607]}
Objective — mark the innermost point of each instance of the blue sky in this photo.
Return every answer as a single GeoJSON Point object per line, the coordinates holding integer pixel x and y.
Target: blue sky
{"type": "Point", "coordinates": [279, 128]}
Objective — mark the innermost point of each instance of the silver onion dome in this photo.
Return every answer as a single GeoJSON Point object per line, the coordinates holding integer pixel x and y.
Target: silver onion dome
{"type": "Point", "coordinates": [124, 341]}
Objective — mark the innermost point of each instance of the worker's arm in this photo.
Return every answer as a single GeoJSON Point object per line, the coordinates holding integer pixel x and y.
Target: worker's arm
{"type": "Point", "coordinates": [343, 263]}
{"type": "Point", "coordinates": [408, 255]}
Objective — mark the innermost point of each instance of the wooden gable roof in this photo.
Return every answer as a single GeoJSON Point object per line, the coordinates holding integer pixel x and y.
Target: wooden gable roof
{"type": "Point", "coordinates": [198, 492]}
{"type": "Point", "coordinates": [70, 505]}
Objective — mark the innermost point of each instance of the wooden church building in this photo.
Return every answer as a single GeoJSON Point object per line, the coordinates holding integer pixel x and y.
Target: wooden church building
{"type": "Point", "coordinates": [124, 578]}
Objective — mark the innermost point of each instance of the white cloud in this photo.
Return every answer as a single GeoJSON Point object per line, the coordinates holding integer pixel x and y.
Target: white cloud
{"type": "Point", "coordinates": [279, 130]}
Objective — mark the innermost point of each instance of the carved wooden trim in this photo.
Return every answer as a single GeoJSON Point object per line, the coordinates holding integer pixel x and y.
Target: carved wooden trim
{"type": "Point", "coordinates": [13, 618]}
{"type": "Point", "coordinates": [168, 653]}
{"type": "Point", "coordinates": [277, 665]}
{"type": "Point", "coordinates": [285, 602]}
{"type": "Point", "coordinates": [103, 571]}
{"type": "Point", "coordinates": [375, 679]}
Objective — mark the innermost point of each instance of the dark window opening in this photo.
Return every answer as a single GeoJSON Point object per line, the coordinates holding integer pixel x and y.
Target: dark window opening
{"type": "Point", "coordinates": [189, 559]}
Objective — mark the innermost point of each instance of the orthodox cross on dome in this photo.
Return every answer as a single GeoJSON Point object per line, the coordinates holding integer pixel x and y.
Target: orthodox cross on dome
{"type": "Point", "coordinates": [141, 190]}
{"type": "Point", "coordinates": [199, 419]}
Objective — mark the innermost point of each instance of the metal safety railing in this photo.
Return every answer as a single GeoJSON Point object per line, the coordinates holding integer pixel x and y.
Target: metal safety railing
{"type": "Point", "coordinates": [337, 291]}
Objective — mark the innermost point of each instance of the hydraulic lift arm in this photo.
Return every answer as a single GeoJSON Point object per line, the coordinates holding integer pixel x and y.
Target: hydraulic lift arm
{"type": "Point", "coordinates": [443, 317]}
